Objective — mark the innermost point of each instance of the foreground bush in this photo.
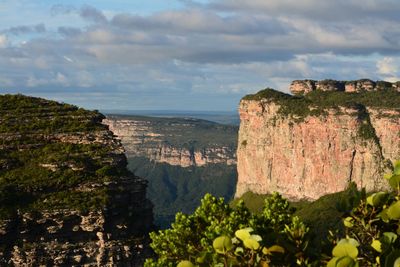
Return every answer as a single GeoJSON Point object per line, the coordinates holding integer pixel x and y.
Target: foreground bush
{"type": "Point", "coordinates": [372, 230]}
{"type": "Point", "coordinates": [216, 234]}
{"type": "Point", "coordinates": [219, 235]}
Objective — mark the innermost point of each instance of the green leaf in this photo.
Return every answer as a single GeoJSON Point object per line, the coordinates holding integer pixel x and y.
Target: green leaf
{"type": "Point", "coordinates": [256, 237]}
{"type": "Point", "coordinates": [377, 245]}
{"type": "Point", "coordinates": [392, 258]}
{"type": "Point", "coordinates": [251, 244]}
{"type": "Point", "coordinates": [370, 200]}
{"type": "Point", "coordinates": [397, 168]}
{"type": "Point", "coordinates": [389, 238]}
{"type": "Point", "coordinates": [222, 244]}
{"type": "Point", "coordinates": [185, 264]}
{"type": "Point", "coordinates": [277, 249]}
{"type": "Point", "coordinates": [350, 241]}
{"type": "Point", "coordinates": [266, 251]}
{"type": "Point", "coordinates": [202, 257]}
{"type": "Point", "coordinates": [345, 261]}
{"type": "Point", "coordinates": [387, 176]}
{"type": "Point", "coordinates": [243, 234]}
{"type": "Point", "coordinates": [345, 249]}
{"type": "Point", "coordinates": [397, 262]}
{"type": "Point", "coordinates": [394, 181]}
{"type": "Point", "coordinates": [384, 215]}
{"type": "Point", "coordinates": [348, 222]}
{"type": "Point", "coordinates": [332, 262]}
{"type": "Point", "coordinates": [394, 211]}
{"type": "Point", "coordinates": [239, 251]}
{"type": "Point", "coordinates": [377, 199]}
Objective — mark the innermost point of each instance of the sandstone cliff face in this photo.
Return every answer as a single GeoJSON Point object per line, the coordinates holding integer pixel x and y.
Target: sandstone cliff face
{"type": "Point", "coordinates": [66, 197]}
{"type": "Point", "coordinates": [141, 138]}
{"type": "Point", "coordinates": [309, 155]}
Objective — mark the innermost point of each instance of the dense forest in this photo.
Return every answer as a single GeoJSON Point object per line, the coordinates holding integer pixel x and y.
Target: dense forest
{"type": "Point", "coordinates": [174, 188]}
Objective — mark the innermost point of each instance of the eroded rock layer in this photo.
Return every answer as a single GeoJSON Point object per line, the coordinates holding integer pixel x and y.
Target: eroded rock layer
{"type": "Point", "coordinates": [307, 146]}
{"type": "Point", "coordinates": [154, 139]}
{"type": "Point", "coordinates": [299, 87]}
{"type": "Point", "coordinates": [66, 197]}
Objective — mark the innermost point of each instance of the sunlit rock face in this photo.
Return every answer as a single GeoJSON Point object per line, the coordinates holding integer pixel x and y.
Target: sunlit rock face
{"type": "Point", "coordinates": [301, 87]}
{"type": "Point", "coordinates": [142, 138]}
{"type": "Point", "coordinates": [307, 154]}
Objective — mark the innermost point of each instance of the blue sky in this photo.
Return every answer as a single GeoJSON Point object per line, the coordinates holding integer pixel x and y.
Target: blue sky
{"type": "Point", "coordinates": [190, 54]}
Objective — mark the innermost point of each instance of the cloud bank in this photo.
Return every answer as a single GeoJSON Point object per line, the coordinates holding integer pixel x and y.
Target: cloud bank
{"type": "Point", "coordinates": [205, 55]}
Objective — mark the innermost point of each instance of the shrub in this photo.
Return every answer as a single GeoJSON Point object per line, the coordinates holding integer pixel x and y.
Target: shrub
{"type": "Point", "coordinates": [216, 234]}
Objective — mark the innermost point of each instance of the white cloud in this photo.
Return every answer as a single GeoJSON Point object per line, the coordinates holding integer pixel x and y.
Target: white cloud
{"type": "Point", "coordinates": [61, 79]}
{"type": "Point", "coordinates": [3, 41]}
{"type": "Point", "coordinates": [68, 59]}
{"type": "Point", "coordinates": [34, 82]}
{"type": "Point", "coordinates": [85, 79]}
{"type": "Point", "coordinates": [388, 68]}
{"type": "Point", "coordinates": [223, 47]}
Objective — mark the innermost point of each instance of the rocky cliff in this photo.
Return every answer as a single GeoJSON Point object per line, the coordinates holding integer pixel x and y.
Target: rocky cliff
{"type": "Point", "coordinates": [66, 196]}
{"type": "Point", "coordinates": [178, 142]}
{"type": "Point", "coordinates": [315, 143]}
{"type": "Point", "coordinates": [299, 87]}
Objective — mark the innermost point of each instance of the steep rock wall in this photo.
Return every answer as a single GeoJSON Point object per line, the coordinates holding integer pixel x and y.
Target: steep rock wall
{"type": "Point", "coordinates": [141, 139]}
{"type": "Point", "coordinates": [307, 156]}
{"type": "Point", "coordinates": [66, 197]}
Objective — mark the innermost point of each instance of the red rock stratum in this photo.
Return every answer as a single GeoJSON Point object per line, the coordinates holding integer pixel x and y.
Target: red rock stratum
{"type": "Point", "coordinates": [317, 141]}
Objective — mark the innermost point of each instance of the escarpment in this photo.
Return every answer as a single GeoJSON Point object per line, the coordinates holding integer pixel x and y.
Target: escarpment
{"type": "Point", "coordinates": [179, 142]}
{"type": "Point", "coordinates": [66, 196]}
{"type": "Point", "coordinates": [299, 87]}
{"type": "Point", "coordinates": [317, 141]}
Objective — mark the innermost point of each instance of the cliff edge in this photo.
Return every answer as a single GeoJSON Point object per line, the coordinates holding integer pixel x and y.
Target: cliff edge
{"type": "Point", "coordinates": [66, 196]}
{"type": "Point", "coordinates": [317, 141]}
{"type": "Point", "coordinates": [181, 142]}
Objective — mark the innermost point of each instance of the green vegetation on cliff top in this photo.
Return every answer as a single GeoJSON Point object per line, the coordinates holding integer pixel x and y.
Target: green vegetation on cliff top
{"type": "Point", "coordinates": [39, 171]}
{"type": "Point", "coordinates": [316, 102]}
{"type": "Point", "coordinates": [188, 132]}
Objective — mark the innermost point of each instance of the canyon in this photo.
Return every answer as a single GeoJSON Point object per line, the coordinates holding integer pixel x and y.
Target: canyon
{"type": "Point", "coordinates": [70, 186]}
{"type": "Point", "coordinates": [181, 158]}
{"type": "Point", "coordinates": [318, 140]}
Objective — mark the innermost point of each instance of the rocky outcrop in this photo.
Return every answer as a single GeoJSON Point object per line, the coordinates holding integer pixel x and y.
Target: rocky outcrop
{"type": "Point", "coordinates": [300, 87]}
{"type": "Point", "coordinates": [145, 138]}
{"type": "Point", "coordinates": [66, 197]}
{"type": "Point", "coordinates": [305, 148]}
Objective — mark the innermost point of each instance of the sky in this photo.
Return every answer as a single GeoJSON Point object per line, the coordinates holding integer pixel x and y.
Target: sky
{"type": "Point", "coordinates": [190, 54]}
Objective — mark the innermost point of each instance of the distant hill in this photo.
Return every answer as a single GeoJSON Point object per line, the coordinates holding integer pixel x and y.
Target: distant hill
{"type": "Point", "coordinates": [222, 117]}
